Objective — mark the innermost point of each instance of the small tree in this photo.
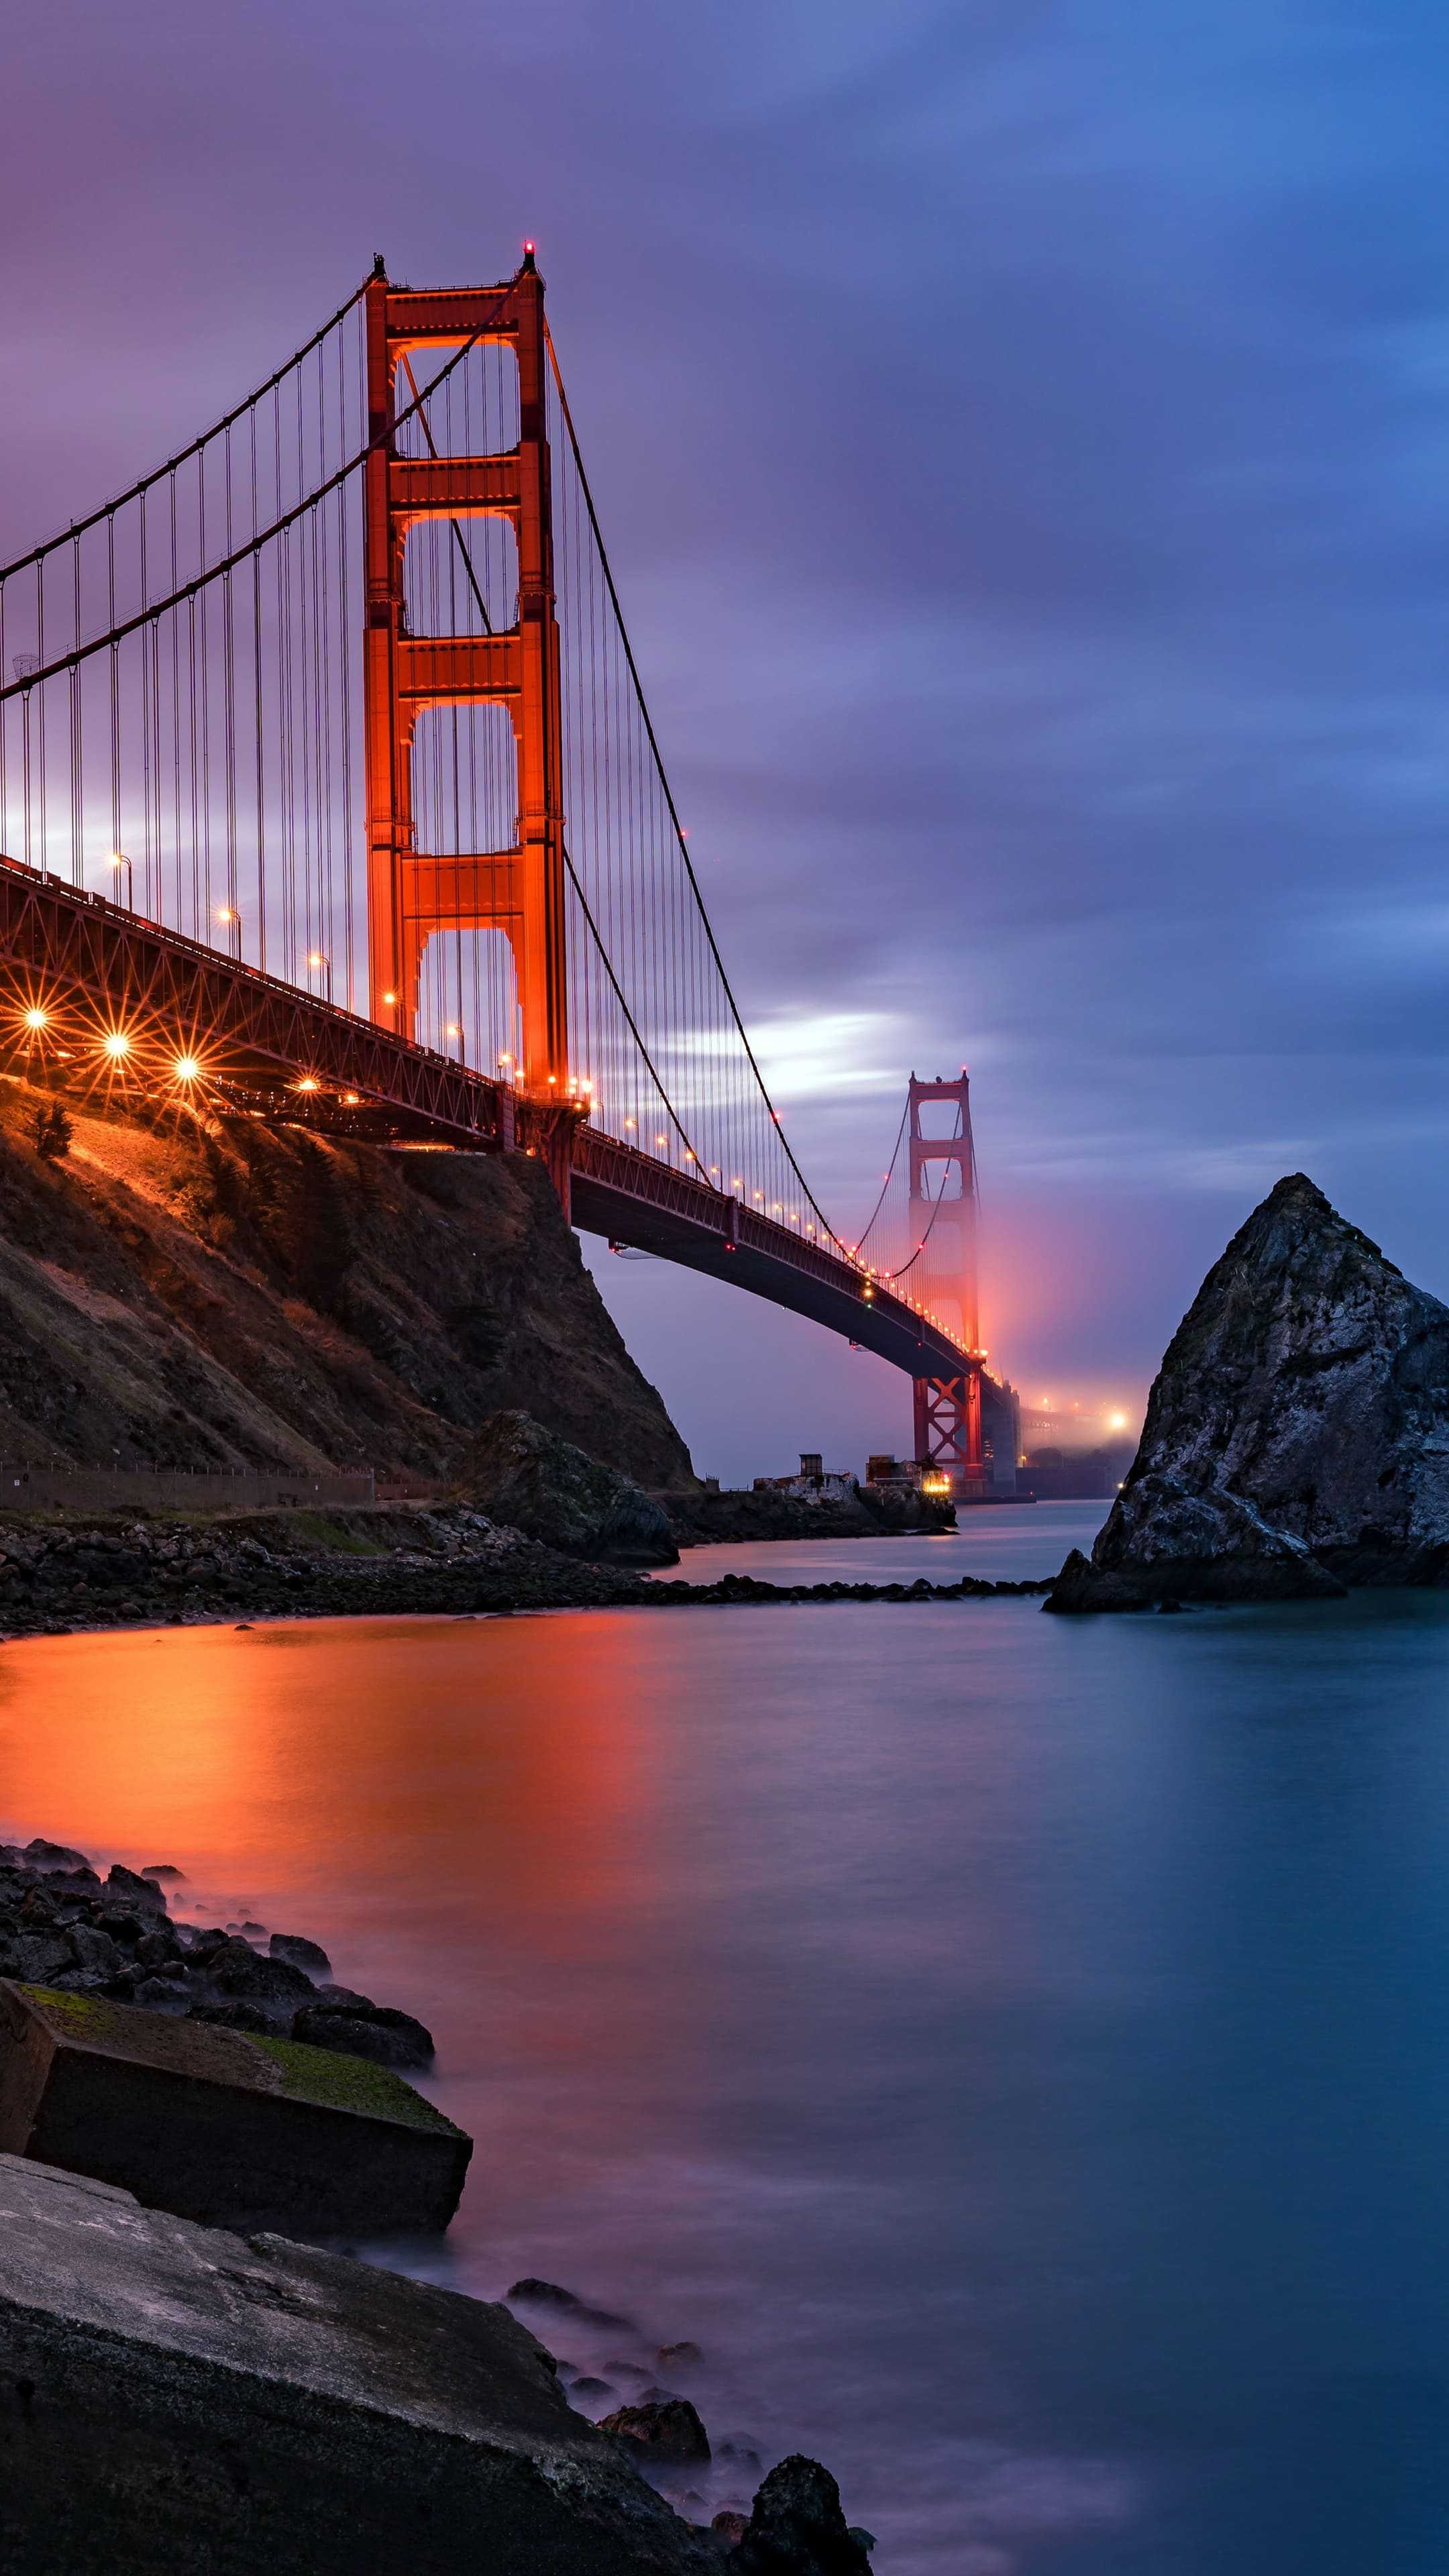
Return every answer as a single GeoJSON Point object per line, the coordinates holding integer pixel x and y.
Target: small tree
{"type": "Point", "coordinates": [53, 1132]}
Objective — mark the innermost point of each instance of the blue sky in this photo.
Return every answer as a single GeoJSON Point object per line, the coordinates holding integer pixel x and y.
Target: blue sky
{"type": "Point", "coordinates": [1022, 433]}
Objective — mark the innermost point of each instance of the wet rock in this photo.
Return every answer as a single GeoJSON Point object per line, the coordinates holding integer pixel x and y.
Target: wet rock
{"type": "Point", "coordinates": [544, 2294]}
{"type": "Point", "coordinates": [300, 1953]}
{"type": "Point", "coordinates": [679, 2356]}
{"type": "Point", "coordinates": [743, 2456]}
{"type": "Point", "coordinates": [797, 2527]}
{"type": "Point", "coordinates": [237, 1970]}
{"type": "Point", "coordinates": [671, 2434]}
{"type": "Point", "coordinates": [388, 2038]}
{"type": "Point", "coordinates": [43, 1855]}
{"type": "Point", "coordinates": [1297, 1436]}
{"type": "Point", "coordinates": [731, 2526]}
{"type": "Point", "coordinates": [234, 2016]}
{"type": "Point", "coordinates": [135, 1890]}
{"type": "Point", "coordinates": [162, 1869]}
{"type": "Point", "coordinates": [156, 1949]}
{"type": "Point", "coordinates": [33, 1956]}
{"type": "Point", "coordinates": [93, 1949]}
{"type": "Point", "coordinates": [589, 2390]}
{"type": "Point", "coordinates": [160, 1994]}
{"type": "Point", "coordinates": [547, 2294]}
{"type": "Point", "coordinates": [523, 1474]}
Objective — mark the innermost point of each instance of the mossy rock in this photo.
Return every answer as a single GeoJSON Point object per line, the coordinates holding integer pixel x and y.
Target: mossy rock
{"type": "Point", "coordinates": [349, 2083]}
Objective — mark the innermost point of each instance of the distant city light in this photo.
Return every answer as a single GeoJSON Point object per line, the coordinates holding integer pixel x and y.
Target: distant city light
{"type": "Point", "coordinates": [349, 1100]}
{"type": "Point", "coordinates": [1116, 1421]}
{"type": "Point", "coordinates": [309, 1082]}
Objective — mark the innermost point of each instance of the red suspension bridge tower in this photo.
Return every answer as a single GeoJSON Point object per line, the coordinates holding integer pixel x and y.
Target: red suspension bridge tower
{"type": "Point", "coordinates": [412, 893]}
{"type": "Point", "coordinates": [942, 1208]}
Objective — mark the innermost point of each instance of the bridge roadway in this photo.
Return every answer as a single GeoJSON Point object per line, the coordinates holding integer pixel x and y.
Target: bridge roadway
{"type": "Point", "coordinates": [99, 968]}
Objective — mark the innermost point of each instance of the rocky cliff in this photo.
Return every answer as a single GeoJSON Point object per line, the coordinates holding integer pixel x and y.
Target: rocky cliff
{"type": "Point", "coordinates": [1297, 1437]}
{"type": "Point", "coordinates": [194, 1294]}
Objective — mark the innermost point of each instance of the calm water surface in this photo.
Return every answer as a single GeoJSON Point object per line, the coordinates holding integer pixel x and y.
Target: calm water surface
{"type": "Point", "coordinates": [1016, 2049]}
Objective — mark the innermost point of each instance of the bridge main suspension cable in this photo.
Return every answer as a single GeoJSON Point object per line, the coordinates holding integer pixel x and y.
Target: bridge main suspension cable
{"type": "Point", "coordinates": [181, 729]}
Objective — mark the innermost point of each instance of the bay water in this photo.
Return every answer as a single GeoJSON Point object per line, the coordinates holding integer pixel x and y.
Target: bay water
{"type": "Point", "coordinates": [1014, 2049]}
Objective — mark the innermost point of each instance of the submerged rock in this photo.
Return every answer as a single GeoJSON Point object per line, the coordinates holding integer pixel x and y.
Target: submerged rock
{"type": "Point", "coordinates": [521, 1473]}
{"type": "Point", "coordinates": [1297, 1436]}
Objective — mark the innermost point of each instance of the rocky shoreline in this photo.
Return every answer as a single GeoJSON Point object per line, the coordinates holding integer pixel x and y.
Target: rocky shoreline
{"type": "Point", "coordinates": [58, 1577]}
{"type": "Point", "coordinates": [64, 1928]}
{"type": "Point", "coordinates": [129, 2459]}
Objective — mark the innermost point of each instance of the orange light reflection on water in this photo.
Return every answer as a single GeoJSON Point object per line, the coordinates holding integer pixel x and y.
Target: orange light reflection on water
{"type": "Point", "coordinates": [496, 1754]}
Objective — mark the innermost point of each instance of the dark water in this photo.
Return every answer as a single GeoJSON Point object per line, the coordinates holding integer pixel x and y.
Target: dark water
{"type": "Point", "coordinates": [1017, 2050]}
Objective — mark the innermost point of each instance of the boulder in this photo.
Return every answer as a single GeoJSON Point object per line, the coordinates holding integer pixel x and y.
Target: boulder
{"type": "Point", "coordinates": [387, 2037]}
{"type": "Point", "coordinates": [1297, 1436]}
{"type": "Point", "coordinates": [191, 2399]}
{"type": "Point", "coordinates": [519, 1472]}
{"type": "Point", "coordinates": [797, 2527]}
{"type": "Point", "coordinates": [43, 1855]}
{"type": "Point", "coordinates": [134, 1890]}
{"type": "Point", "coordinates": [230, 2126]}
{"type": "Point", "coordinates": [671, 2434]}
{"type": "Point", "coordinates": [300, 1953]}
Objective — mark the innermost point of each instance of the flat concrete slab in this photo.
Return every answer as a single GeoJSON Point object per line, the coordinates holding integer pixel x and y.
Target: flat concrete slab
{"type": "Point", "coordinates": [177, 2397]}
{"type": "Point", "coordinates": [230, 2127]}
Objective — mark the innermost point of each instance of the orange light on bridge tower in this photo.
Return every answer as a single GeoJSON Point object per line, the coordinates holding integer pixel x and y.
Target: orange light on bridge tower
{"type": "Point", "coordinates": [413, 894]}
{"type": "Point", "coordinates": [948, 1431]}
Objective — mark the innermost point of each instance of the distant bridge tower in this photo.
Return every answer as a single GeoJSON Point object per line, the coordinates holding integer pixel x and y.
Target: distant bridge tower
{"type": "Point", "coordinates": [943, 1220]}
{"type": "Point", "coordinates": [412, 893]}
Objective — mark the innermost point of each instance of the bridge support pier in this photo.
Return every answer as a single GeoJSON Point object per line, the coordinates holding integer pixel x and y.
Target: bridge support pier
{"type": "Point", "coordinates": [948, 1430]}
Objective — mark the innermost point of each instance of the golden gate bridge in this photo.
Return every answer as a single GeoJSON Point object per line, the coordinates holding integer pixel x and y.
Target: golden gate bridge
{"type": "Point", "coordinates": [329, 792]}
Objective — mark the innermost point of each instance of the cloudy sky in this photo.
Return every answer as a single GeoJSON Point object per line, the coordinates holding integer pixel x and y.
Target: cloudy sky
{"type": "Point", "coordinates": [1022, 431]}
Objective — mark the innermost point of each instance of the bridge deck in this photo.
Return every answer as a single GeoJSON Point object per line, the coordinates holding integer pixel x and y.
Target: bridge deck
{"type": "Point", "coordinates": [70, 951]}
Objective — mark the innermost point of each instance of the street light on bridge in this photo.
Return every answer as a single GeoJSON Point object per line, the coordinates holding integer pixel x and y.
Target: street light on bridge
{"type": "Point", "coordinates": [115, 863]}
{"type": "Point", "coordinates": [319, 959]}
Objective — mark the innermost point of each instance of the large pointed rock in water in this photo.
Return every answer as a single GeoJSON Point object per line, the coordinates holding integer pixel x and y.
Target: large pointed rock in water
{"type": "Point", "coordinates": [1297, 1438]}
{"type": "Point", "coordinates": [519, 1471]}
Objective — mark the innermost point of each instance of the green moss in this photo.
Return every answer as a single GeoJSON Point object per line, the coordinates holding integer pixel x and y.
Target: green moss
{"type": "Point", "coordinates": [83, 2016]}
{"type": "Point", "coordinates": [349, 2083]}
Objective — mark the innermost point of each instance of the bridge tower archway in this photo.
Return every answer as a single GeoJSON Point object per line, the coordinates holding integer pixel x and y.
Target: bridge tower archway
{"type": "Point", "coordinates": [942, 1209]}
{"type": "Point", "coordinates": [413, 894]}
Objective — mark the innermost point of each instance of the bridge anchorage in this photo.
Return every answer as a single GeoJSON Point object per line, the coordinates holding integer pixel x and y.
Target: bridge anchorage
{"type": "Point", "coordinates": [329, 792]}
